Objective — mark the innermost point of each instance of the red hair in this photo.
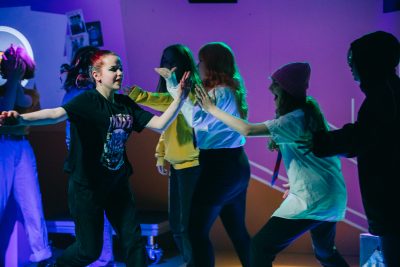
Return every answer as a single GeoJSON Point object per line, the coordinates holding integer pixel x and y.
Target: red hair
{"type": "Point", "coordinates": [221, 69]}
{"type": "Point", "coordinates": [96, 60]}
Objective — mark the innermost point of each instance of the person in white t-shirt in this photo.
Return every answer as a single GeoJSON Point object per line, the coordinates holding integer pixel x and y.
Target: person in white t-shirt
{"type": "Point", "coordinates": [225, 170]}
{"type": "Point", "coordinates": [317, 197]}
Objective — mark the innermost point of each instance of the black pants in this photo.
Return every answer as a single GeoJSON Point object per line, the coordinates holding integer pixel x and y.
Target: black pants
{"type": "Point", "coordinates": [279, 233]}
{"type": "Point", "coordinates": [391, 249]}
{"type": "Point", "coordinates": [220, 191]}
{"type": "Point", "coordinates": [181, 186]}
{"type": "Point", "coordinates": [87, 207]}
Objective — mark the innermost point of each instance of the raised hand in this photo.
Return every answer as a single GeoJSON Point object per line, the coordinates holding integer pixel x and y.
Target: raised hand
{"type": "Point", "coordinates": [185, 85]}
{"type": "Point", "coordinates": [14, 67]}
{"type": "Point", "coordinates": [206, 101]}
{"type": "Point", "coordinates": [165, 72]}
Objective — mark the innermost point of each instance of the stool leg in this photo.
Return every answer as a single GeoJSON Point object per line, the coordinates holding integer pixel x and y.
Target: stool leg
{"type": "Point", "coordinates": [150, 240]}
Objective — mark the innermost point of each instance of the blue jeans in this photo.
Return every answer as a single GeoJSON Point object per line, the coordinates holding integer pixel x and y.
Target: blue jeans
{"type": "Point", "coordinates": [278, 233]}
{"type": "Point", "coordinates": [181, 186]}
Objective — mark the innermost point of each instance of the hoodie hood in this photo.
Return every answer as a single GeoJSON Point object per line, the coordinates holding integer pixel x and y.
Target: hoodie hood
{"type": "Point", "coordinates": [375, 56]}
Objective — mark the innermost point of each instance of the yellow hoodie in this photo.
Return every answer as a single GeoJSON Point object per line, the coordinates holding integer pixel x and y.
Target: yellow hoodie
{"type": "Point", "coordinates": [176, 143]}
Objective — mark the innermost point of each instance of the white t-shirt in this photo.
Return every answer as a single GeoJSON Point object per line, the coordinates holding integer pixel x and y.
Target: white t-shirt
{"type": "Point", "coordinates": [212, 133]}
{"type": "Point", "coordinates": [317, 188]}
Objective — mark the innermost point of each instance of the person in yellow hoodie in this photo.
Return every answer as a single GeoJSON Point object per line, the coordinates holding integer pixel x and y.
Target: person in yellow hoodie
{"type": "Point", "coordinates": [176, 144]}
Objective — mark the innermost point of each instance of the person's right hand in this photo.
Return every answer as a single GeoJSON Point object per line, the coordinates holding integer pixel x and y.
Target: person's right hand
{"type": "Point", "coordinates": [184, 86]}
{"type": "Point", "coordinates": [9, 118]}
{"type": "Point", "coordinates": [162, 169]}
{"type": "Point", "coordinates": [165, 72]}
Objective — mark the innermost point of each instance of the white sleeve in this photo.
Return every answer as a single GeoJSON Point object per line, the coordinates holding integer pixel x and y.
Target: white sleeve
{"type": "Point", "coordinates": [286, 129]}
{"type": "Point", "coordinates": [171, 81]}
{"type": "Point", "coordinates": [187, 108]}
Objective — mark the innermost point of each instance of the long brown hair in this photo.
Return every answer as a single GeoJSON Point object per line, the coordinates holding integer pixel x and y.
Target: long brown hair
{"type": "Point", "coordinates": [221, 67]}
{"type": "Point", "coordinates": [313, 116]}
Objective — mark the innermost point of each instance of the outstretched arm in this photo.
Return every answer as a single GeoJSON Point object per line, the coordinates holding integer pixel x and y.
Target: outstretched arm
{"type": "Point", "coordinates": [156, 101]}
{"type": "Point", "coordinates": [161, 123]}
{"type": "Point", "coordinates": [242, 126]}
{"type": "Point", "coordinates": [41, 117]}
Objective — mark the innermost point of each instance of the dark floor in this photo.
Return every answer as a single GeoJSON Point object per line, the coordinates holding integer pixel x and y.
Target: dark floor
{"type": "Point", "coordinates": [170, 256]}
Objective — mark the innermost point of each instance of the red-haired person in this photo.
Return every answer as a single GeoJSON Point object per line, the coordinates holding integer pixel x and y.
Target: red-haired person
{"type": "Point", "coordinates": [18, 173]}
{"type": "Point", "coordinates": [101, 122]}
{"type": "Point", "coordinates": [76, 82]}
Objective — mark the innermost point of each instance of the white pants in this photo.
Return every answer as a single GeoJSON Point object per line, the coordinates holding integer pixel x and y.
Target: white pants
{"type": "Point", "coordinates": [18, 176]}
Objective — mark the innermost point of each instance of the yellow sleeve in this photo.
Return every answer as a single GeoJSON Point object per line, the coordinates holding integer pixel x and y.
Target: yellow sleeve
{"type": "Point", "coordinates": [156, 101]}
{"type": "Point", "coordinates": [160, 151]}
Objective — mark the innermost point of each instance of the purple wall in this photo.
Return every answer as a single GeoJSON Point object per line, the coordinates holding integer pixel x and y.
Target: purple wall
{"type": "Point", "coordinates": [265, 35]}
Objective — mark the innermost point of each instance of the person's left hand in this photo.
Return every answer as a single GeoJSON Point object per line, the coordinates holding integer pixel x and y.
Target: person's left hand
{"type": "Point", "coordinates": [184, 87]}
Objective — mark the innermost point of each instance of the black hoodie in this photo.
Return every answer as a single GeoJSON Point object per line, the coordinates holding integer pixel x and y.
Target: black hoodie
{"type": "Point", "coordinates": [375, 137]}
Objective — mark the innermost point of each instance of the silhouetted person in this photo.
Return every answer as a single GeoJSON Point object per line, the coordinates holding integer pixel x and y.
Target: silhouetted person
{"type": "Point", "coordinates": [375, 137]}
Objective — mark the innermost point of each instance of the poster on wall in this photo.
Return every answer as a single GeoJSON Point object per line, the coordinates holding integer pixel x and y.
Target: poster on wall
{"type": "Point", "coordinates": [74, 42]}
{"type": "Point", "coordinates": [78, 35]}
{"type": "Point", "coordinates": [95, 34]}
{"type": "Point", "coordinates": [76, 22]}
